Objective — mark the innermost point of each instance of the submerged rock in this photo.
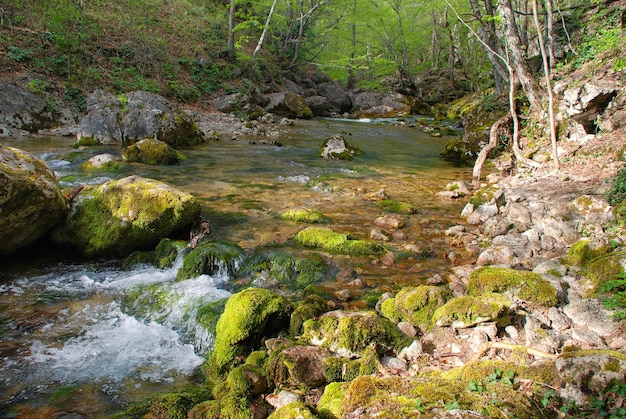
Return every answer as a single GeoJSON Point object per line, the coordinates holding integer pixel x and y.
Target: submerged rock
{"type": "Point", "coordinates": [337, 148]}
{"type": "Point", "coordinates": [31, 201]}
{"type": "Point", "coordinates": [152, 151]}
{"type": "Point", "coordinates": [118, 217]}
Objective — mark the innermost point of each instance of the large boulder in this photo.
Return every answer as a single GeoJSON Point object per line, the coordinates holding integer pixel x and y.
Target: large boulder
{"type": "Point", "coordinates": [152, 116]}
{"type": "Point", "coordinates": [30, 199]}
{"type": "Point", "coordinates": [338, 98]}
{"type": "Point", "coordinates": [101, 125]}
{"type": "Point", "coordinates": [289, 105]}
{"type": "Point", "coordinates": [22, 109]}
{"type": "Point", "coordinates": [137, 116]}
{"type": "Point", "coordinates": [380, 105]}
{"type": "Point", "coordinates": [118, 217]}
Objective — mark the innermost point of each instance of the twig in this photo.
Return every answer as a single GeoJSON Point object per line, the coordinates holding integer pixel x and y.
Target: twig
{"type": "Point", "coordinates": [512, 347]}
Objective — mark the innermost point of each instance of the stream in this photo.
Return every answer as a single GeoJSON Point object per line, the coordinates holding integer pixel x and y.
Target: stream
{"type": "Point", "coordinates": [70, 348]}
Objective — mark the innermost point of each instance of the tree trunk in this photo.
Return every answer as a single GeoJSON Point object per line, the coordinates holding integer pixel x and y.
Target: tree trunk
{"type": "Point", "coordinates": [488, 34]}
{"type": "Point", "coordinates": [265, 28]}
{"type": "Point", "coordinates": [231, 34]}
{"type": "Point", "coordinates": [529, 82]}
{"type": "Point", "coordinates": [546, 69]}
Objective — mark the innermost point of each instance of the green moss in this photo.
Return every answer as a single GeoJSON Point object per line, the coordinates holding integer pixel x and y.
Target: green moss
{"type": "Point", "coordinates": [110, 166]}
{"type": "Point", "coordinates": [308, 215]}
{"type": "Point", "coordinates": [389, 310]}
{"type": "Point", "coordinates": [467, 311]}
{"type": "Point", "coordinates": [139, 258]}
{"type": "Point", "coordinates": [171, 406]}
{"type": "Point", "coordinates": [479, 370]}
{"type": "Point", "coordinates": [352, 334]}
{"type": "Point", "coordinates": [292, 411]}
{"type": "Point", "coordinates": [397, 207]}
{"type": "Point", "coordinates": [602, 269]}
{"type": "Point", "coordinates": [527, 286]}
{"type": "Point", "coordinates": [167, 251]}
{"type": "Point", "coordinates": [208, 315]}
{"type": "Point", "coordinates": [330, 240]}
{"type": "Point", "coordinates": [86, 142]}
{"type": "Point", "coordinates": [417, 305]}
{"type": "Point", "coordinates": [425, 397]}
{"type": "Point", "coordinates": [310, 307]}
{"type": "Point", "coordinates": [121, 216]}
{"type": "Point", "coordinates": [591, 352]}
{"type": "Point", "coordinates": [210, 258]}
{"type": "Point", "coordinates": [151, 151]}
{"type": "Point", "coordinates": [295, 273]}
{"type": "Point", "coordinates": [248, 317]}
{"type": "Point", "coordinates": [331, 402]}
{"type": "Point", "coordinates": [582, 252]}
{"type": "Point", "coordinates": [486, 195]}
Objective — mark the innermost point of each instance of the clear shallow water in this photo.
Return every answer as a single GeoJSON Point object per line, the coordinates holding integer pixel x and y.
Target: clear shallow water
{"type": "Point", "coordinates": [69, 344]}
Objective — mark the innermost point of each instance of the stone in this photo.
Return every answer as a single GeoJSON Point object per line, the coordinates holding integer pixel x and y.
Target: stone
{"type": "Point", "coordinates": [21, 109]}
{"type": "Point", "coordinates": [283, 398]}
{"type": "Point", "coordinates": [337, 148]}
{"type": "Point", "coordinates": [389, 222]}
{"type": "Point", "coordinates": [152, 151]}
{"type": "Point", "coordinates": [591, 313]}
{"type": "Point", "coordinates": [299, 366]}
{"type": "Point", "coordinates": [118, 217]}
{"type": "Point", "coordinates": [148, 115]}
{"type": "Point", "coordinates": [289, 105]}
{"type": "Point", "coordinates": [101, 124]}
{"type": "Point", "coordinates": [31, 201]}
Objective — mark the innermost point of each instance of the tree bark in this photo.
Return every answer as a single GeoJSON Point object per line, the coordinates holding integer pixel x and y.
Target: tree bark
{"type": "Point", "coordinates": [231, 33]}
{"type": "Point", "coordinates": [529, 82]}
{"type": "Point", "coordinates": [493, 142]}
{"type": "Point", "coordinates": [546, 70]}
{"type": "Point", "coordinates": [265, 28]}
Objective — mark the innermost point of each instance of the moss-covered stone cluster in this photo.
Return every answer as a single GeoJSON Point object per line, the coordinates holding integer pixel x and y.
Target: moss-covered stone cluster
{"type": "Point", "coordinates": [416, 305]}
{"type": "Point", "coordinates": [329, 240]}
{"type": "Point", "coordinates": [152, 151]}
{"type": "Point", "coordinates": [118, 217]}
{"type": "Point", "coordinates": [307, 215]}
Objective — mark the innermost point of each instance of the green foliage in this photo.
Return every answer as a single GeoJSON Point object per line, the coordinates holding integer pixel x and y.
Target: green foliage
{"type": "Point", "coordinates": [616, 289]}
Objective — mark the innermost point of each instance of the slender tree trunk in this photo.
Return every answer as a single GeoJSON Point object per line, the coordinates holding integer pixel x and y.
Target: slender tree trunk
{"type": "Point", "coordinates": [231, 33]}
{"type": "Point", "coordinates": [546, 70]}
{"type": "Point", "coordinates": [550, 33]}
{"type": "Point", "coordinates": [488, 35]}
{"type": "Point", "coordinates": [265, 28]}
{"type": "Point", "coordinates": [529, 83]}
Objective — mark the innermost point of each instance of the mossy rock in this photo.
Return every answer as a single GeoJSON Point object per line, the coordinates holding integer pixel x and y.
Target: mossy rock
{"type": "Point", "coordinates": [310, 216]}
{"type": "Point", "coordinates": [210, 259]}
{"type": "Point", "coordinates": [152, 151]}
{"type": "Point", "coordinates": [310, 307]}
{"type": "Point", "coordinates": [583, 251]}
{"type": "Point", "coordinates": [171, 406]}
{"type": "Point", "coordinates": [490, 194]}
{"type": "Point", "coordinates": [331, 403]}
{"type": "Point", "coordinates": [327, 239]}
{"type": "Point", "coordinates": [163, 256]}
{"type": "Point", "coordinates": [468, 311]}
{"type": "Point", "coordinates": [527, 286]}
{"type": "Point", "coordinates": [542, 373]}
{"type": "Point", "coordinates": [417, 305]}
{"type": "Point", "coordinates": [345, 369]}
{"type": "Point", "coordinates": [292, 411]}
{"type": "Point", "coordinates": [603, 268]}
{"type": "Point", "coordinates": [397, 207]}
{"type": "Point", "coordinates": [348, 334]}
{"type": "Point", "coordinates": [404, 397]}
{"type": "Point", "coordinates": [282, 267]}
{"type": "Point", "coordinates": [121, 216]}
{"type": "Point", "coordinates": [248, 317]}
{"type": "Point", "coordinates": [208, 315]}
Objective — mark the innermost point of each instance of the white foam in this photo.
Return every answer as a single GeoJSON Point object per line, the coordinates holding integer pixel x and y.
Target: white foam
{"type": "Point", "coordinates": [114, 348]}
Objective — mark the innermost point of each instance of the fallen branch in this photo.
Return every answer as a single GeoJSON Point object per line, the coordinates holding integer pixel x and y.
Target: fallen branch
{"type": "Point", "coordinates": [512, 347]}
